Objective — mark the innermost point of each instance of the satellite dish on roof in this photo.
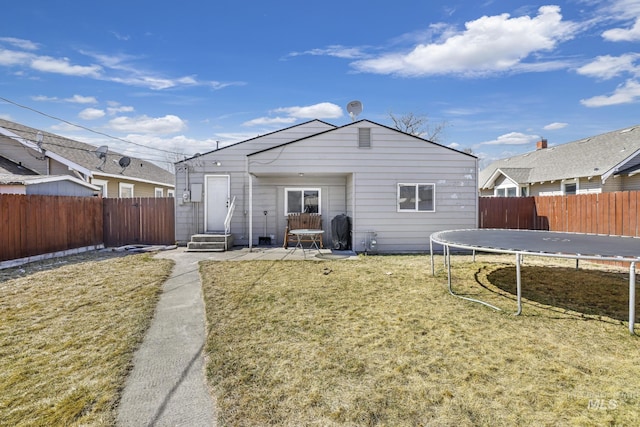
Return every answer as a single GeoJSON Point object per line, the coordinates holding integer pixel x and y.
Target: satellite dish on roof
{"type": "Point", "coordinates": [39, 138]}
{"type": "Point", "coordinates": [101, 153]}
{"type": "Point", "coordinates": [354, 108]}
{"type": "Point", "coordinates": [124, 163]}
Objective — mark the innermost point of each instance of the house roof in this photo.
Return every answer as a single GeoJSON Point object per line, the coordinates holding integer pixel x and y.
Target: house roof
{"type": "Point", "coordinates": [16, 179]}
{"type": "Point", "coordinates": [81, 156]}
{"type": "Point", "coordinates": [258, 136]}
{"type": "Point", "coordinates": [7, 167]}
{"type": "Point", "coordinates": [352, 124]}
{"type": "Point", "coordinates": [601, 155]}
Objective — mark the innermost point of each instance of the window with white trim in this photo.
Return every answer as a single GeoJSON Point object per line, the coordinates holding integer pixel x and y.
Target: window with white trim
{"type": "Point", "coordinates": [298, 200]}
{"type": "Point", "coordinates": [102, 184]}
{"type": "Point", "coordinates": [416, 197]}
{"type": "Point", "coordinates": [171, 193]}
{"type": "Point", "coordinates": [125, 190]}
{"type": "Point", "coordinates": [159, 192]}
{"type": "Point", "coordinates": [570, 187]}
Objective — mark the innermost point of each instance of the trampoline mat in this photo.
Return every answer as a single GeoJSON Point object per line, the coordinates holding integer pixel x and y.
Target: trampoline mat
{"type": "Point", "coordinates": [542, 242]}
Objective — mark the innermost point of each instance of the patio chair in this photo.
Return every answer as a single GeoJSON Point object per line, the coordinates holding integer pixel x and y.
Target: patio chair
{"type": "Point", "coordinates": [303, 221]}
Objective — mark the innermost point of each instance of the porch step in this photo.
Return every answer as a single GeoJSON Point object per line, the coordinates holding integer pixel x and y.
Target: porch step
{"type": "Point", "coordinates": [209, 242]}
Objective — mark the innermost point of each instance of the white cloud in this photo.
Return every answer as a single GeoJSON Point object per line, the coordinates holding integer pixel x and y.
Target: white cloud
{"type": "Point", "coordinates": [91, 114]}
{"type": "Point", "coordinates": [79, 99]}
{"type": "Point", "coordinates": [63, 66]}
{"type": "Point", "coordinates": [44, 98]}
{"type": "Point", "coordinates": [11, 57]}
{"type": "Point", "coordinates": [512, 138]}
{"type": "Point", "coordinates": [623, 34]}
{"type": "Point", "coordinates": [116, 109]}
{"type": "Point", "coordinates": [607, 66]}
{"type": "Point", "coordinates": [488, 45]}
{"type": "Point", "coordinates": [323, 110]}
{"type": "Point", "coordinates": [20, 43]}
{"type": "Point", "coordinates": [624, 94]}
{"type": "Point", "coordinates": [337, 51]}
{"type": "Point", "coordinates": [261, 121]}
{"type": "Point", "coordinates": [148, 125]}
{"type": "Point", "coordinates": [555, 126]}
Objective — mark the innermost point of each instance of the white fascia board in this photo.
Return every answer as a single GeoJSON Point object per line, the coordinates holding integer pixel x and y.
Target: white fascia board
{"type": "Point", "coordinates": [53, 178]}
{"type": "Point", "coordinates": [68, 163]}
{"type": "Point", "coordinates": [131, 178]}
{"type": "Point", "coordinates": [619, 166]}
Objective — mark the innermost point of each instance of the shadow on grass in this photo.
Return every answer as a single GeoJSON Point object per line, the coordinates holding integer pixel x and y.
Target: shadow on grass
{"type": "Point", "coordinates": [586, 292]}
{"type": "Point", "coordinates": [57, 262]}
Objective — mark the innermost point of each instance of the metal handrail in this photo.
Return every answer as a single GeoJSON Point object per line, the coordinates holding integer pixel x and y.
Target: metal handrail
{"type": "Point", "coordinates": [227, 221]}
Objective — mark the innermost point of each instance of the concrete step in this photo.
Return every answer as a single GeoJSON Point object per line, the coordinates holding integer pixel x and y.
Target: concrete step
{"type": "Point", "coordinates": [209, 242]}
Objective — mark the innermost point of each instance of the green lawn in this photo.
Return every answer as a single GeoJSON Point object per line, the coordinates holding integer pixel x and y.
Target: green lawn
{"type": "Point", "coordinates": [379, 341]}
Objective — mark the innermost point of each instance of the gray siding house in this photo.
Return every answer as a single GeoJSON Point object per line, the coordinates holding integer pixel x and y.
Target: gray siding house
{"type": "Point", "coordinates": [601, 163]}
{"type": "Point", "coordinates": [397, 187]}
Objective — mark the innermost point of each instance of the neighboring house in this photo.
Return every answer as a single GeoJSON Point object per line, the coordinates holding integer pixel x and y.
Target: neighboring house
{"type": "Point", "coordinates": [16, 179]}
{"type": "Point", "coordinates": [397, 187]}
{"type": "Point", "coordinates": [47, 154]}
{"type": "Point", "coordinates": [602, 163]}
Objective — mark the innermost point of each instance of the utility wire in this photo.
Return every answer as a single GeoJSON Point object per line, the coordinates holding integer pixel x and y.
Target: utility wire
{"type": "Point", "coordinates": [86, 128]}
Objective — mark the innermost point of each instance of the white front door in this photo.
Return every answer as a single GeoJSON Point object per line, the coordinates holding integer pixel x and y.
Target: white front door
{"type": "Point", "coordinates": [216, 202]}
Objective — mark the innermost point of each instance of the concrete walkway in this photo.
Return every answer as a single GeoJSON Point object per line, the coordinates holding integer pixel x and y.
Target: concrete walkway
{"type": "Point", "coordinates": [167, 386]}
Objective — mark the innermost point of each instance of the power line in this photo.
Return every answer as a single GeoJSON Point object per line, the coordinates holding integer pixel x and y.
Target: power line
{"type": "Point", "coordinates": [86, 128]}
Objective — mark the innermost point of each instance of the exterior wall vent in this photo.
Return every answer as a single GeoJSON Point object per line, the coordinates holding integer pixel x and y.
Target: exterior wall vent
{"type": "Point", "coordinates": [364, 137]}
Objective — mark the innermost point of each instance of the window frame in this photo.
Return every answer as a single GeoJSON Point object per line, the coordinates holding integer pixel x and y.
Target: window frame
{"type": "Point", "coordinates": [123, 185]}
{"type": "Point", "coordinates": [417, 186]}
{"type": "Point", "coordinates": [570, 182]}
{"type": "Point", "coordinates": [103, 184]}
{"type": "Point", "coordinates": [301, 190]}
{"type": "Point", "coordinates": [158, 190]}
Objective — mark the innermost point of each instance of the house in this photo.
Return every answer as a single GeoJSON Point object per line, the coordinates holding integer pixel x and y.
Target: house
{"type": "Point", "coordinates": [50, 155]}
{"type": "Point", "coordinates": [601, 163]}
{"type": "Point", "coordinates": [396, 188]}
{"type": "Point", "coordinates": [16, 179]}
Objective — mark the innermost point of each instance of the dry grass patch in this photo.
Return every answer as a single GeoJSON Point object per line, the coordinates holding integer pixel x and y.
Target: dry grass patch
{"type": "Point", "coordinates": [379, 341]}
{"type": "Point", "coordinates": [68, 331]}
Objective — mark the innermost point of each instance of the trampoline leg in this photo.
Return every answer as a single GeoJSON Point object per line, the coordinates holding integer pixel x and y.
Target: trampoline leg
{"type": "Point", "coordinates": [518, 285]}
{"type": "Point", "coordinates": [632, 297]}
{"type": "Point", "coordinates": [433, 268]}
{"type": "Point", "coordinates": [447, 261]}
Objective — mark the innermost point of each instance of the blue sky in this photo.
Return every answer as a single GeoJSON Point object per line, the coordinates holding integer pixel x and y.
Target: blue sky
{"type": "Point", "coordinates": [167, 79]}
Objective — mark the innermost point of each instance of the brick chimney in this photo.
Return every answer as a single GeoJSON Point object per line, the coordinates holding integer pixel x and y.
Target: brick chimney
{"type": "Point", "coordinates": [542, 144]}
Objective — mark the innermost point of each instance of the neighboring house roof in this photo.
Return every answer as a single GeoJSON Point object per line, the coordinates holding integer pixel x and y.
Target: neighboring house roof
{"type": "Point", "coordinates": [14, 179]}
{"type": "Point", "coordinates": [81, 157]}
{"type": "Point", "coordinates": [7, 167]}
{"type": "Point", "coordinates": [601, 155]}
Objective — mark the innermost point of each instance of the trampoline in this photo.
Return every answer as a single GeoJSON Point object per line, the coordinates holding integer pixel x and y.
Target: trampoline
{"type": "Point", "coordinates": [541, 243]}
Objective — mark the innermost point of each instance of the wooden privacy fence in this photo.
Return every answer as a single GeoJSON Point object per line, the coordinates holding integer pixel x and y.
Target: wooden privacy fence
{"type": "Point", "coordinates": [34, 225]}
{"type": "Point", "coordinates": [149, 221]}
{"type": "Point", "coordinates": [615, 213]}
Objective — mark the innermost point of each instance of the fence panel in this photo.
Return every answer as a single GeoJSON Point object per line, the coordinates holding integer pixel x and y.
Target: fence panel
{"type": "Point", "coordinates": [605, 213]}
{"type": "Point", "coordinates": [149, 221]}
{"type": "Point", "coordinates": [35, 225]}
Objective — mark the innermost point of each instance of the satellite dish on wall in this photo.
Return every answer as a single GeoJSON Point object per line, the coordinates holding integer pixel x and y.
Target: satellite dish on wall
{"type": "Point", "coordinates": [101, 153]}
{"type": "Point", "coordinates": [354, 108]}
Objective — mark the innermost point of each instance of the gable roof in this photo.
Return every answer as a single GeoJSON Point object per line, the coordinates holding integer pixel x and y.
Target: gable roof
{"type": "Point", "coordinates": [16, 179]}
{"type": "Point", "coordinates": [7, 167]}
{"type": "Point", "coordinates": [601, 155]}
{"type": "Point", "coordinates": [81, 156]}
{"type": "Point", "coordinates": [353, 124]}
{"type": "Point", "coordinates": [257, 137]}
